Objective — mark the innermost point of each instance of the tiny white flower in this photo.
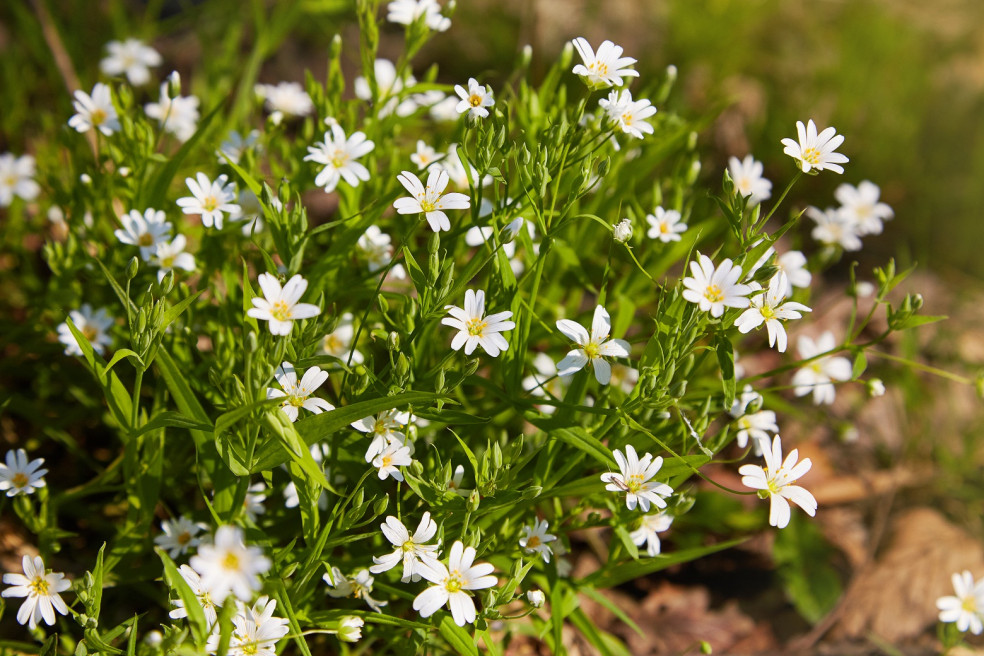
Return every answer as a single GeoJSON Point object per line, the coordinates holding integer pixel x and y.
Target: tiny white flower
{"type": "Point", "coordinates": [279, 305]}
{"type": "Point", "coordinates": [635, 479]}
{"type": "Point", "coordinates": [146, 231]}
{"type": "Point", "coordinates": [179, 535]}
{"type": "Point", "coordinates": [19, 475]}
{"type": "Point", "coordinates": [94, 110]}
{"type": "Point", "coordinates": [350, 628]}
{"type": "Point", "coordinates": [411, 550]}
{"type": "Point", "coordinates": [452, 583]}
{"type": "Point", "coordinates": [860, 207]}
{"type": "Point", "coordinates": [769, 308]}
{"type": "Point", "coordinates": [377, 246]}
{"type": "Point", "coordinates": [407, 12]}
{"type": "Point", "coordinates": [776, 481]}
{"type": "Point", "coordinates": [236, 145]}
{"type": "Point", "coordinates": [474, 328]}
{"type": "Point", "coordinates": [535, 539]}
{"type": "Point", "coordinates": [714, 289]}
{"type": "Point", "coordinates": [756, 425]}
{"type": "Point", "coordinates": [389, 87]}
{"type": "Point", "coordinates": [475, 99]}
{"type": "Point", "coordinates": [815, 151]}
{"type": "Point", "coordinates": [622, 231]}
{"type": "Point", "coordinates": [40, 591]}
{"type": "Point", "coordinates": [285, 98]}
{"type": "Point", "coordinates": [386, 428]}
{"type": "Point", "coordinates": [817, 376]}
{"type": "Point", "coordinates": [536, 598]}
{"type": "Point", "coordinates": [606, 68]}
{"type": "Point", "coordinates": [650, 526]}
{"type": "Point", "coordinates": [793, 264]}
{"type": "Point", "coordinates": [748, 179]}
{"type": "Point", "coordinates": [255, 630]}
{"type": "Point", "coordinates": [359, 586]}
{"type": "Point", "coordinates": [665, 225]}
{"type": "Point", "coordinates": [179, 115]}
{"type": "Point", "coordinates": [876, 387]}
{"type": "Point", "coordinates": [430, 199]}
{"type": "Point", "coordinates": [338, 154]}
{"type": "Point", "coordinates": [17, 179]}
{"type": "Point", "coordinates": [299, 395]}
{"type": "Point", "coordinates": [172, 256]}
{"type": "Point", "coordinates": [131, 57]}
{"type": "Point", "coordinates": [424, 155]}
{"type": "Point", "coordinates": [628, 116]}
{"type": "Point", "coordinates": [229, 566]}
{"type": "Point", "coordinates": [389, 461]}
{"type": "Point", "coordinates": [966, 606]}
{"type": "Point", "coordinates": [253, 501]}
{"type": "Point", "coordinates": [94, 325]}
{"type": "Point", "coordinates": [210, 199]}
{"type": "Point", "coordinates": [594, 347]}
{"type": "Point", "coordinates": [202, 593]}
{"type": "Point", "coordinates": [833, 229]}
{"type": "Point", "coordinates": [338, 343]}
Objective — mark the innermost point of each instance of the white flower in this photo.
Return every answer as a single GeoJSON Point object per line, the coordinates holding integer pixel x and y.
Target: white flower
{"type": "Point", "coordinates": [391, 459]}
{"type": "Point", "coordinates": [288, 98]}
{"type": "Point", "coordinates": [350, 629]}
{"type": "Point", "coordinates": [445, 109]}
{"type": "Point", "coordinates": [172, 256]}
{"type": "Point", "coordinates": [41, 592]}
{"type": "Point", "coordinates": [20, 476]}
{"type": "Point", "coordinates": [377, 246]}
{"type": "Point", "coordinates": [756, 425]}
{"type": "Point", "coordinates": [430, 200]}
{"type": "Point", "coordinates": [536, 539]}
{"type": "Point", "coordinates": [338, 343]}
{"type": "Point", "coordinates": [622, 231]}
{"type": "Point", "coordinates": [776, 481]}
{"type": "Point", "coordinates": [179, 535]}
{"type": "Point", "coordinates": [648, 532]}
{"type": "Point", "coordinates": [338, 154]}
{"type": "Point", "coordinates": [475, 99]}
{"type": "Point", "coordinates": [94, 111]}
{"type": "Point", "coordinates": [817, 376]}
{"type": "Point", "coordinates": [229, 565]}
{"type": "Point", "coordinates": [815, 151]}
{"type": "Point", "coordinates": [451, 584]}
{"type": "Point", "coordinates": [179, 115]}
{"type": "Point", "coordinates": [385, 428]}
{"type": "Point", "coordinates": [594, 347]}
{"type": "Point", "coordinates": [544, 381]}
{"type": "Point", "coordinates": [474, 328]}
{"type": "Point", "coordinates": [236, 145]}
{"type": "Point", "coordinates": [714, 289]}
{"type": "Point", "coordinates": [833, 229]}
{"type": "Point", "coordinates": [210, 199]}
{"type": "Point", "coordinates": [635, 479]}
{"type": "Point", "coordinates": [389, 87]}
{"type": "Point", "coordinates": [628, 115]}
{"type": "Point", "coordinates": [202, 593]}
{"type": "Point", "coordinates": [966, 607]}
{"type": "Point", "coordinates": [860, 207]}
{"type": "Point", "coordinates": [665, 225]}
{"type": "Point", "coordinates": [145, 231]}
{"type": "Point", "coordinates": [359, 586]}
{"type": "Point", "coordinates": [748, 398]}
{"type": "Point", "coordinates": [251, 212]}
{"type": "Point", "coordinates": [132, 57]}
{"type": "Point", "coordinates": [456, 477]}
{"type": "Point", "coordinates": [17, 179]}
{"type": "Point", "coordinates": [769, 308]}
{"type": "Point", "coordinates": [410, 550]}
{"type": "Point", "coordinates": [92, 325]}
{"type": "Point", "coordinates": [793, 264]}
{"type": "Point", "coordinates": [748, 179]}
{"type": "Point", "coordinates": [606, 68]}
{"type": "Point", "coordinates": [536, 598]}
{"type": "Point", "coordinates": [407, 12]}
{"type": "Point", "coordinates": [424, 155]}
{"type": "Point", "coordinates": [876, 387]}
{"type": "Point", "coordinates": [279, 305]}
{"type": "Point", "coordinates": [298, 395]}
{"type": "Point", "coordinates": [255, 631]}
{"type": "Point", "coordinates": [253, 501]}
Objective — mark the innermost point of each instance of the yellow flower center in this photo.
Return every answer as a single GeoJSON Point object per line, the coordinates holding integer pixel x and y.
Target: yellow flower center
{"type": "Point", "coordinates": [231, 560]}
{"type": "Point", "coordinates": [408, 546]}
{"type": "Point", "coordinates": [387, 460]}
{"type": "Point", "coordinates": [634, 483]}
{"type": "Point", "coordinates": [664, 228]}
{"type": "Point", "coordinates": [296, 400]}
{"type": "Point", "coordinates": [167, 262]}
{"type": "Point", "coordinates": [281, 311]}
{"type": "Point", "coordinates": [968, 604]}
{"type": "Point", "coordinates": [339, 159]}
{"type": "Point", "coordinates": [714, 294]}
{"type": "Point", "coordinates": [11, 181]}
{"type": "Point", "coordinates": [533, 542]}
{"type": "Point", "coordinates": [476, 327]}
{"type": "Point", "coordinates": [20, 479]}
{"type": "Point", "coordinates": [627, 118]}
{"type": "Point", "coordinates": [599, 68]}
{"type": "Point", "coordinates": [210, 203]}
{"type": "Point", "coordinates": [146, 239]}
{"type": "Point", "coordinates": [427, 206]}
{"type": "Point", "coordinates": [98, 116]}
{"type": "Point", "coordinates": [811, 155]}
{"type": "Point", "coordinates": [767, 312]}
{"type": "Point", "coordinates": [90, 332]}
{"type": "Point", "coordinates": [39, 586]}
{"type": "Point", "coordinates": [475, 100]}
{"type": "Point", "coordinates": [592, 350]}
{"type": "Point", "coordinates": [453, 582]}
{"type": "Point", "coordinates": [249, 648]}
{"type": "Point", "coordinates": [332, 344]}
{"type": "Point", "coordinates": [184, 538]}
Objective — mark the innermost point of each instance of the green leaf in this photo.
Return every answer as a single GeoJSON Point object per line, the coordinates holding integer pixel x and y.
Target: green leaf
{"type": "Point", "coordinates": [95, 603]}
{"type": "Point", "coordinates": [178, 308]}
{"type": "Point", "coordinates": [118, 399]}
{"type": "Point", "coordinates": [185, 399]}
{"type": "Point", "coordinates": [177, 583]}
{"type": "Point", "coordinates": [917, 320]}
{"type": "Point", "coordinates": [581, 440]}
{"type": "Point", "coordinates": [605, 643]}
{"type": "Point", "coordinates": [299, 452]}
{"type": "Point", "coordinates": [860, 364]}
{"type": "Point", "coordinates": [119, 355]}
{"type": "Point", "coordinates": [726, 358]}
{"type": "Point", "coordinates": [457, 637]}
{"type": "Point", "coordinates": [169, 419]}
{"type": "Point", "coordinates": [610, 577]}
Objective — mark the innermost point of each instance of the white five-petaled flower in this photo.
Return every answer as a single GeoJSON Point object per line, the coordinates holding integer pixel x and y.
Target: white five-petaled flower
{"type": "Point", "coordinates": [860, 206]}
{"type": "Point", "coordinates": [359, 586]}
{"type": "Point", "coordinates": [406, 12]}
{"type": "Point", "coordinates": [756, 425]}
{"type": "Point", "coordinates": [94, 326]}
{"type": "Point", "coordinates": [594, 347]}
{"type": "Point", "coordinates": [255, 631]}
{"type": "Point", "coordinates": [210, 199]}
{"type": "Point", "coordinates": [41, 592]}
{"type": "Point", "coordinates": [475, 99]}
{"type": "Point", "coordinates": [535, 539]}
{"type": "Point", "coordinates": [386, 428]}
{"type": "Point", "coordinates": [747, 176]}
{"type": "Point", "coordinates": [179, 115]}
{"type": "Point", "coordinates": [288, 98]}
{"type": "Point", "coordinates": [834, 229]}
{"type": "Point", "coordinates": [635, 479]}
{"type": "Point", "coordinates": [665, 225]}
{"type": "Point", "coordinates": [714, 289]}
{"type": "Point", "coordinates": [410, 550]}
{"type": "Point", "coordinates": [339, 344]}
{"type": "Point", "coordinates": [452, 583]}
{"type": "Point", "coordinates": [390, 459]}
{"type": "Point", "coordinates": [19, 475]}
{"type": "Point", "coordinates": [172, 255]}
{"type": "Point", "coordinates": [201, 592]}
{"type": "Point", "coordinates": [337, 153]}
{"type": "Point", "coordinates": [776, 481]}
{"type": "Point", "coordinates": [430, 199]}
{"type": "Point", "coordinates": [604, 68]}
{"type": "Point", "coordinates": [229, 566]}
{"type": "Point", "coordinates": [17, 178]}
{"type": "Point", "coordinates": [769, 308]}
{"type": "Point", "coordinates": [474, 328]}
{"type": "Point", "coordinates": [966, 606]}
{"type": "Point", "coordinates": [817, 376]}
{"type": "Point", "coordinates": [179, 535]}
{"type": "Point", "coordinates": [94, 110]}
{"type": "Point", "coordinates": [650, 526]}
{"type": "Point", "coordinates": [145, 230]}
{"type": "Point", "coordinates": [792, 263]}
{"type": "Point", "coordinates": [815, 151]}
{"type": "Point", "coordinates": [131, 57]}
{"type": "Point", "coordinates": [279, 305]}
{"type": "Point", "coordinates": [299, 395]}
{"type": "Point", "coordinates": [425, 155]}
{"type": "Point", "coordinates": [627, 114]}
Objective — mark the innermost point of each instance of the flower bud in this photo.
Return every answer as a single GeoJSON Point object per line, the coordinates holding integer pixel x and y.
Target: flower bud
{"type": "Point", "coordinates": [876, 387]}
{"type": "Point", "coordinates": [350, 629]}
{"type": "Point", "coordinates": [173, 85]}
{"type": "Point", "coordinates": [131, 268]}
{"type": "Point", "coordinates": [393, 341]}
{"type": "Point", "coordinates": [536, 598]}
{"type": "Point", "coordinates": [526, 56]}
{"type": "Point", "coordinates": [125, 172]}
{"type": "Point", "coordinates": [402, 367]}
{"type": "Point", "coordinates": [474, 500]}
{"type": "Point", "coordinates": [622, 231]}
{"type": "Point", "coordinates": [335, 48]}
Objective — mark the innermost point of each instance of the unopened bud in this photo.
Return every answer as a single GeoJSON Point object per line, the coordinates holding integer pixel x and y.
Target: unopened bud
{"type": "Point", "coordinates": [876, 387]}
{"type": "Point", "coordinates": [402, 367]}
{"type": "Point", "coordinates": [131, 268]}
{"type": "Point", "coordinates": [622, 231]}
{"type": "Point", "coordinates": [393, 341]}
{"type": "Point", "coordinates": [173, 85]}
{"type": "Point", "coordinates": [536, 598]}
{"type": "Point", "coordinates": [350, 629]}
{"type": "Point", "coordinates": [335, 48]}
{"type": "Point", "coordinates": [474, 500]}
